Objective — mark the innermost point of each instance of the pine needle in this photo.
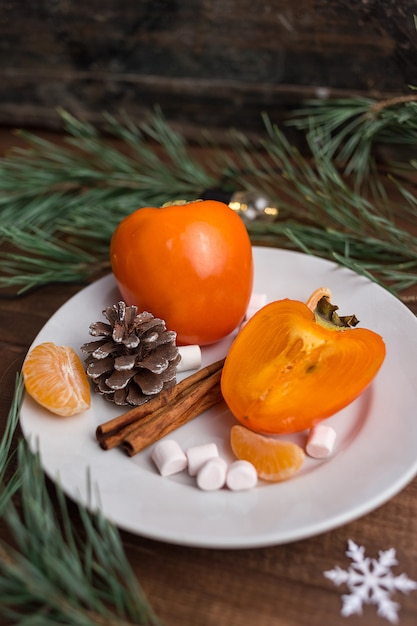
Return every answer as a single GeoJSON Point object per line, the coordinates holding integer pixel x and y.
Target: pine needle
{"type": "Point", "coordinates": [55, 575]}
{"type": "Point", "coordinates": [8, 490]}
{"type": "Point", "coordinates": [320, 214]}
{"type": "Point", "coordinates": [60, 204]}
{"type": "Point", "coordinates": [355, 127]}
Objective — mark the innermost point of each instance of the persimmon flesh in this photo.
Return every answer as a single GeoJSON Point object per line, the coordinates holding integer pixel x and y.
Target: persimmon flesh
{"type": "Point", "coordinates": [189, 264]}
{"type": "Point", "coordinates": [286, 371]}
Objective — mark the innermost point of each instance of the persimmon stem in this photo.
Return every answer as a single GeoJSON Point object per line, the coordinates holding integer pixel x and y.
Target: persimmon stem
{"type": "Point", "coordinates": [325, 314]}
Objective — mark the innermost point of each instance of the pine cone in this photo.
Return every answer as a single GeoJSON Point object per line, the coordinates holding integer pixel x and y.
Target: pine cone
{"type": "Point", "coordinates": [136, 358]}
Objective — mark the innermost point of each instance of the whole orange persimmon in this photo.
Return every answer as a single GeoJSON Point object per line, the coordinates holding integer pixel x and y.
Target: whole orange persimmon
{"type": "Point", "coordinates": [189, 264]}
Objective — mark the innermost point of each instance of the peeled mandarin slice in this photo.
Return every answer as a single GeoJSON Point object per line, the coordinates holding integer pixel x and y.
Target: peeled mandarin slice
{"type": "Point", "coordinates": [55, 378]}
{"type": "Point", "coordinates": [274, 459]}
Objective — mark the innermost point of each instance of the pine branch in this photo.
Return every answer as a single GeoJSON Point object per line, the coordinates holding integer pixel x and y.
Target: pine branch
{"type": "Point", "coordinates": [60, 205]}
{"type": "Point", "coordinates": [8, 490]}
{"type": "Point", "coordinates": [77, 194]}
{"type": "Point", "coordinates": [55, 575]}
{"type": "Point", "coordinates": [321, 215]}
{"type": "Point", "coordinates": [355, 127]}
{"type": "Point", "coordinates": [46, 259]}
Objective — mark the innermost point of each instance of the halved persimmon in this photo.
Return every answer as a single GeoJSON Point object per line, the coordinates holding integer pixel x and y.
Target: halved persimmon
{"type": "Point", "coordinates": [55, 378]}
{"type": "Point", "coordinates": [289, 368]}
{"type": "Point", "coordinates": [274, 459]}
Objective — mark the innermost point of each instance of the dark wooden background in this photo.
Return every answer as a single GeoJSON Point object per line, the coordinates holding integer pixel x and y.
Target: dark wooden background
{"type": "Point", "coordinates": [214, 63]}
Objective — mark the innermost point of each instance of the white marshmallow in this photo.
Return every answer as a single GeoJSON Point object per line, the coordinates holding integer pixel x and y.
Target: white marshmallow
{"type": "Point", "coordinates": [190, 358]}
{"type": "Point", "coordinates": [212, 475]}
{"type": "Point", "coordinates": [241, 475]}
{"type": "Point", "coordinates": [197, 456]}
{"type": "Point", "coordinates": [256, 302]}
{"type": "Point", "coordinates": [168, 457]}
{"type": "Point", "coordinates": [320, 441]}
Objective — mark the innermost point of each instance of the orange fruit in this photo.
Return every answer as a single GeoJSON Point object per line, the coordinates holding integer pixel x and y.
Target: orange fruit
{"type": "Point", "coordinates": [54, 376]}
{"type": "Point", "coordinates": [289, 368]}
{"type": "Point", "coordinates": [274, 459]}
{"type": "Point", "coordinates": [189, 264]}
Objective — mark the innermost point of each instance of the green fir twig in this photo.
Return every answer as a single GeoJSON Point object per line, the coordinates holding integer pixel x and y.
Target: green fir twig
{"type": "Point", "coordinates": [9, 487]}
{"type": "Point", "coordinates": [356, 127]}
{"type": "Point", "coordinates": [322, 215]}
{"type": "Point", "coordinates": [54, 574]}
{"type": "Point", "coordinates": [60, 204]}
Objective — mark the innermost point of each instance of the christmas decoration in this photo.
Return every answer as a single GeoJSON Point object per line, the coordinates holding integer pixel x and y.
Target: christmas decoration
{"type": "Point", "coordinates": [135, 358]}
{"type": "Point", "coordinates": [370, 581]}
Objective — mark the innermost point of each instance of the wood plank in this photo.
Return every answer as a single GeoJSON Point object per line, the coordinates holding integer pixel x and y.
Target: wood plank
{"type": "Point", "coordinates": [216, 63]}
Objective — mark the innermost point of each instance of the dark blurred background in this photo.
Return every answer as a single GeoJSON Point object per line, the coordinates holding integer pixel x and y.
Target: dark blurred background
{"type": "Point", "coordinates": [207, 63]}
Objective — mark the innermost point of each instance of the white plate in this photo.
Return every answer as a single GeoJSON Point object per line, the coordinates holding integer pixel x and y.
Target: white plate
{"type": "Point", "coordinates": [374, 458]}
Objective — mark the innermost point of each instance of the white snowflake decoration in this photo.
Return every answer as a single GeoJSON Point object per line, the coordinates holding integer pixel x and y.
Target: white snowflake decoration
{"type": "Point", "coordinates": [370, 581]}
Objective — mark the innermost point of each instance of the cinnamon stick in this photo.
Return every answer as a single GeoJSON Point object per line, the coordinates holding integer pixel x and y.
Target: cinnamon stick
{"type": "Point", "coordinates": [111, 433]}
{"type": "Point", "coordinates": [200, 398]}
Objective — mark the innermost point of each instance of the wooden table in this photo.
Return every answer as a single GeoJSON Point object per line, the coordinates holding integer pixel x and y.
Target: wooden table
{"type": "Point", "coordinates": [273, 586]}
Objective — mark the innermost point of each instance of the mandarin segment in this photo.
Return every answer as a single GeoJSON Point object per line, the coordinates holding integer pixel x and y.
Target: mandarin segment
{"type": "Point", "coordinates": [55, 378]}
{"type": "Point", "coordinates": [275, 460]}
